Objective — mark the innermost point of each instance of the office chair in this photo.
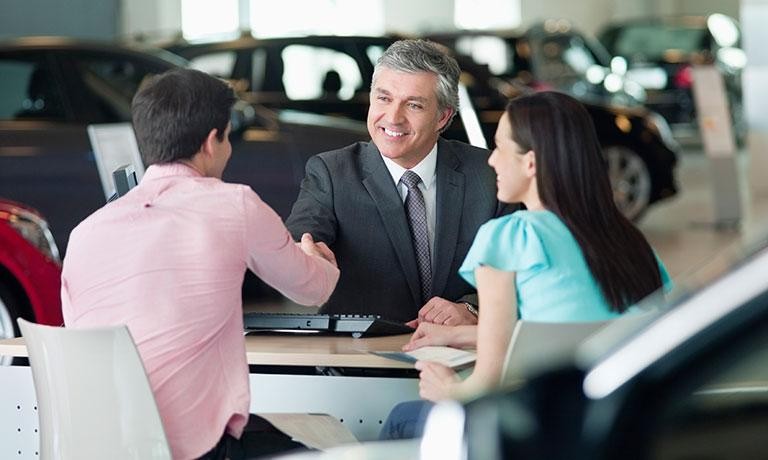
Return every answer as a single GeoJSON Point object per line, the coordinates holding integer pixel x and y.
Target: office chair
{"type": "Point", "coordinates": [93, 395]}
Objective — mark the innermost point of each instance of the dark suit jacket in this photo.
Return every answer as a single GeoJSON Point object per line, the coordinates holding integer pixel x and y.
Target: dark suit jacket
{"type": "Point", "coordinates": [349, 201]}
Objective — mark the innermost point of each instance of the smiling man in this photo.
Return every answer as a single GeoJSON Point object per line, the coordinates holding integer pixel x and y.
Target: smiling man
{"type": "Point", "coordinates": [400, 211]}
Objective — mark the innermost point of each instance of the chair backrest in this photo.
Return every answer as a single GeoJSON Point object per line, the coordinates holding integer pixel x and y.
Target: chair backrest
{"type": "Point", "coordinates": [536, 346]}
{"type": "Point", "coordinates": [93, 395]}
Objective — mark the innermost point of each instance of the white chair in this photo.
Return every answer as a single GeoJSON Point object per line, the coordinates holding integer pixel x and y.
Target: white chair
{"type": "Point", "coordinates": [93, 395]}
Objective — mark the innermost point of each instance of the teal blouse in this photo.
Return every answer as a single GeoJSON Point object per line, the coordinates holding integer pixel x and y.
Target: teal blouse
{"type": "Point", "coordinates": [553, 282]}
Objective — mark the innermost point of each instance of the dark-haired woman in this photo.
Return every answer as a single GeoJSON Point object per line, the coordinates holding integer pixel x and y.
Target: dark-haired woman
{"type": "Point", "coordinates": [570, 257]}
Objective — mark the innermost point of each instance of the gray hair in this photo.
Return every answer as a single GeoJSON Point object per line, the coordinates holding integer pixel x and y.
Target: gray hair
{"type": "Point", "coordinates": [414, 56]}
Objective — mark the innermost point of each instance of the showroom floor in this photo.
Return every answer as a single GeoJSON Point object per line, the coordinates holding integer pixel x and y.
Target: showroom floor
{"type": "Point", "coordinates": [679, 229]}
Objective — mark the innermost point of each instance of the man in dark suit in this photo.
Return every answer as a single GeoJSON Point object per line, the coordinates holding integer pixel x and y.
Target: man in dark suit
{"type": "Point", "coordinates": [400, 212]}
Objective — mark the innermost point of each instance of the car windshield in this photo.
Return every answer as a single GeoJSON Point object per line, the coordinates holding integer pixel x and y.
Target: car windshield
{"type": "Point", "coordinates": [650, 42]}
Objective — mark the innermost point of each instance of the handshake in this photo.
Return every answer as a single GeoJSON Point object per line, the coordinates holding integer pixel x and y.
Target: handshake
{"type": "Point", "coordinates": [308, 245]}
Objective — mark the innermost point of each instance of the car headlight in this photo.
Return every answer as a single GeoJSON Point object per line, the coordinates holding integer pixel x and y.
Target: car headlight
{"type": "Point", "coordinates": [658, 125]}
{"type": "Point", "coordinates": [32, 228]}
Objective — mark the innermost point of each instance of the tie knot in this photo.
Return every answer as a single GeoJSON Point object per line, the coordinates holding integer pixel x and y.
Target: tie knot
{"type": "Point", "coordinates": [410, 179]}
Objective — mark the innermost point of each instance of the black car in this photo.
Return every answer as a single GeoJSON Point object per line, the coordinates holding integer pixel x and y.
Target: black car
{"type": "Point", "coordinates": [688, 381]}
{"type": "Point", "coordinates": [660, 54]}
{"type": "Point", "coordinates": [550, 55]}
{"type": "Point", "coordinates": [53, 88]}
{"type": "Point", "coordinates": [332, 75]}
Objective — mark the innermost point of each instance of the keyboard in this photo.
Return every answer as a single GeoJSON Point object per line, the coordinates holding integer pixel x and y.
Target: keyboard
{"type": "Point", "coordinates": [355, 325]}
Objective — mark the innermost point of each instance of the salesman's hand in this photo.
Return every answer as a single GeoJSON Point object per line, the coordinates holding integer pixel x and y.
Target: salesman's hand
{"type": "Point", "coordinates": [440, 311]}
{"type": "Point", "coordinates": [430, 334]}
{"type": "Point", "coordinates": [436, 382]}
{"type": "Point", "coordinates": [320, 249]}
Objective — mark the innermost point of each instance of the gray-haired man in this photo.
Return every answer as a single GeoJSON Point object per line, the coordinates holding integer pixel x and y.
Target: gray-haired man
{"type": "Point", "coordinates": [401, 211]}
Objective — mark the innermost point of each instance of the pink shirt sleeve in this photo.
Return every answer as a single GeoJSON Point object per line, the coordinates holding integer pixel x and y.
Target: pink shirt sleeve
{"type": "Point", "coordinates": [275, 258]}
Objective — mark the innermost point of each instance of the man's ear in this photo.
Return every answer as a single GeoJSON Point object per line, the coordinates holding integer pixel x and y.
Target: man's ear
{"type": "Point", "coordinates": [444, 117]}
{"type": "Point", "coordinates": [209, 144]}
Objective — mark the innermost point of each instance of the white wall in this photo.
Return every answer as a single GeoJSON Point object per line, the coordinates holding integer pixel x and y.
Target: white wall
{"type": "Point", "coordinates": [411, 17]}
{"type": "Point", "coordinates": [155, 19]}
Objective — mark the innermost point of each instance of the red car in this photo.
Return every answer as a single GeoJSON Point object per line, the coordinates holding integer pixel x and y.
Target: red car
{"type": "Point", "coordinates": [30, 269]}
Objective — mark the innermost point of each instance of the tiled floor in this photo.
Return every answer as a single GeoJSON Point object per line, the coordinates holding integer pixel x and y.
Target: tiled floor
{"type": "Point", "coordinates": [681, 229]}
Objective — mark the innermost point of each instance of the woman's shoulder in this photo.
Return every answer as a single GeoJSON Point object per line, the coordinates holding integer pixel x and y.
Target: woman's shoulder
{"type": "Point", "coordinates": [518, 220]}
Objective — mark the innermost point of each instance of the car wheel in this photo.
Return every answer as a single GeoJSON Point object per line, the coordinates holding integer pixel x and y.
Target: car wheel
{"type": "Point", "coordinates": [630, 180]}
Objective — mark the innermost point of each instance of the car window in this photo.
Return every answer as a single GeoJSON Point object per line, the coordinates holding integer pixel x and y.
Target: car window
{"type": "Point", "coordinates": [486, 49]}
{"type": "Point", "coordinates": [28, 90]}
{"type": "Point", "coordinates": [220, 64]}
{"type": "Point", "coordinates": [563, 57]}
{"type": "Point", "coordinates": [651, 42]}
{"type": "Point", "coordinates": [374, 52]}
{"type": "Point", "coordinates": [112, 81]}
{"type": "Point", "coordinates": [312, 72]}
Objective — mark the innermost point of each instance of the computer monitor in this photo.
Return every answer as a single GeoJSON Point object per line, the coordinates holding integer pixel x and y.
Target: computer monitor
{"type": "Point", "coordinates": [114, 147]}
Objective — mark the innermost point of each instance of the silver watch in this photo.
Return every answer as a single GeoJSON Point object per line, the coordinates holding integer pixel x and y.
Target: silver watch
{"type": "Point", "coordinates": [471, 308]}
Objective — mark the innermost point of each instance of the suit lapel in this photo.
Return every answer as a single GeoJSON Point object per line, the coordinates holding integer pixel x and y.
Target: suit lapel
{"type": "Point", "coordinates": [378, 182]}
{"type": "Point", "coordinates": [450, 201]}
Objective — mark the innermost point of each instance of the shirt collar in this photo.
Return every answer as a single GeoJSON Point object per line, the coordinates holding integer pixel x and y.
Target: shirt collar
{"type": "Point", "coordinates": [176, 168]}
{"type": "Point", "coordinates": [425, 169]}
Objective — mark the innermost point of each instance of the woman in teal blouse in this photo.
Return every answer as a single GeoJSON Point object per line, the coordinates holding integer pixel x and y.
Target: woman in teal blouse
{"type": "Point", "coordinates": [570, 257]}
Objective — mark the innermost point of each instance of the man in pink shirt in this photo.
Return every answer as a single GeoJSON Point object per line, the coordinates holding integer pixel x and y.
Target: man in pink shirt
{"type": "Point", "coordinates": [168, 260]}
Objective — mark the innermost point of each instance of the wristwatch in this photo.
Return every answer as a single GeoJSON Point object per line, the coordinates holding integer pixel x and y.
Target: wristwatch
{"type": "Point", "coordinates": [472, 308]}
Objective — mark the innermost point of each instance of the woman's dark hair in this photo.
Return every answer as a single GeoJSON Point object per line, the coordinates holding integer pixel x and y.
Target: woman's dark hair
{"type": "Point", "coordinates": [572, 180]}
{"type": "Point", "coordinates": [173, 113]}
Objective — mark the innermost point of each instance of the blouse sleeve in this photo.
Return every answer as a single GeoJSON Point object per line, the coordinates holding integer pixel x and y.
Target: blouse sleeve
{"type": "Point", "coordinates": [666, 280]}
{"type": "Point", "coordinates": [509, 243]}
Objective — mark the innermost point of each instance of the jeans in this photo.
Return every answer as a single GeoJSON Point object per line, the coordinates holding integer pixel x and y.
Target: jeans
{"type": "Point", "coordinates": [406, 420]}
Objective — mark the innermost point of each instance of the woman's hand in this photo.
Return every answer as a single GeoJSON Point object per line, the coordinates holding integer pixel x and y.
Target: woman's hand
{"type": "Point", "coordinates": [436, 382]}
{"type": "Point", "coordinates": [430, 334]}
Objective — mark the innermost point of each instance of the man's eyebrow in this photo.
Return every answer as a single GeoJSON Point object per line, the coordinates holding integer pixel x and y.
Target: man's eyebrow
{"type": "Point", "coordinates": [381, 91]}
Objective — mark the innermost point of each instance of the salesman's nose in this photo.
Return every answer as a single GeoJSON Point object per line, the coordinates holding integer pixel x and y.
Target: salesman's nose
{"type": "Point", "coordinates": [395, 114]}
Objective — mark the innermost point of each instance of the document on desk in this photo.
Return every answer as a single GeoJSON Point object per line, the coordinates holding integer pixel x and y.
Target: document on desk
{"type": "Point", "coordinates": [317, 431]}
{"type": "Point", "coordinates": [447, 356]}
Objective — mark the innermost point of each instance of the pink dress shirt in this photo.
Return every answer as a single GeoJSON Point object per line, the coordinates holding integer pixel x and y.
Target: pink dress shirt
{"type": "Point", "coordinates": [168, 260]}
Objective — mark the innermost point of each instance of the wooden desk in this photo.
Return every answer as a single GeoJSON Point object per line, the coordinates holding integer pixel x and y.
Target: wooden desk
{"type": "Point", "coordinates": [296, 350]}
{"type": "Point", "coordinates": [331, 351]}
{"type": "Point", "coordinates": [360, 402]}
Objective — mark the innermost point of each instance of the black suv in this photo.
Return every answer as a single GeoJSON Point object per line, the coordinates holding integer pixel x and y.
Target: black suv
{"type": "Point", "coordinates": [660, 53]}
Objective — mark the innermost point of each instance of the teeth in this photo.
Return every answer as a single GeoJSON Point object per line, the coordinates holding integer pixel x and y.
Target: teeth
{"type": "Point", "coordinates": [393, 133]}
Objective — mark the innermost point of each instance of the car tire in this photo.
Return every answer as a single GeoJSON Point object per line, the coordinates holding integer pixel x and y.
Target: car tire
{"type": "Point", "coordinates": [630, 180]}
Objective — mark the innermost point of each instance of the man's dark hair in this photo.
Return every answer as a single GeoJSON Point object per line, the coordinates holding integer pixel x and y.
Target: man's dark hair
{"type": "Point", "coordinates": [572, 179]}
{"type": "Point", "coordinates": [173, 113]}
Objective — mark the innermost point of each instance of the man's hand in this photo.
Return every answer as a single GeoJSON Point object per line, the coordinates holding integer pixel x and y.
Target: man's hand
{"type": "Point", "coordinates": [430, 334]}
{"type": "Point", "coordinates": [436, 382]}
{"type": "Point", "coordinates": [440, 311]}
{"type": "Point", "coordinates": [320, 249]}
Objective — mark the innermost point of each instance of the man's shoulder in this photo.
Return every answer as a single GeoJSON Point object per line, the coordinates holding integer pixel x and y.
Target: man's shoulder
{"type": "Point", "coordinates": [344, 154]}
{"type": "Point", "coordinates": [464, 151]}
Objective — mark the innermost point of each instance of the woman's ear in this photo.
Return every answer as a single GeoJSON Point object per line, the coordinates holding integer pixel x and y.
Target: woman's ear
{"type": "Point", "coordinates": [530, 163]}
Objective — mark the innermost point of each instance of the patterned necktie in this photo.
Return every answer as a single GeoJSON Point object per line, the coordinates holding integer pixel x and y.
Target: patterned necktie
{"type": "Point", "coordinates": [416, 210]}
